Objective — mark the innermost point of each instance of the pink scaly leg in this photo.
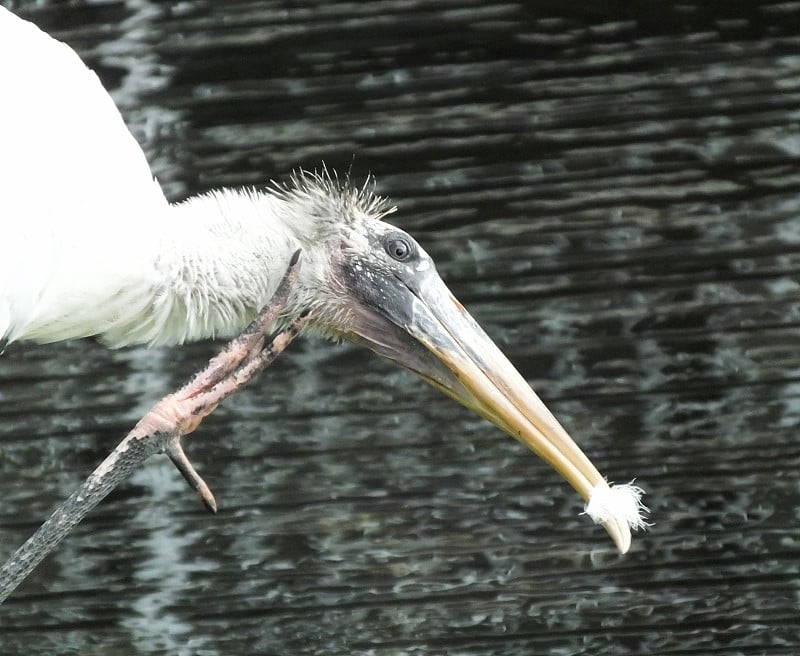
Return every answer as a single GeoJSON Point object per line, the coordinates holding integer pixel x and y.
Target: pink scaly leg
{"type": "Point", "coordinates": [161, 429]}
{"type": "Point", "coordinates": [179, 414]}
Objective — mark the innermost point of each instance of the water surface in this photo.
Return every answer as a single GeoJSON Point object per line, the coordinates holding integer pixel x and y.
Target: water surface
{"type": "Point", "coordinates": [614, 195]}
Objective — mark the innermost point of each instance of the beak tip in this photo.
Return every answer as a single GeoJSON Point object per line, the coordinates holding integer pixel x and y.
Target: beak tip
{"type": "Point", "coordinates": [620, 533]}
{"type": "Point", "coordinates": [618, 508]}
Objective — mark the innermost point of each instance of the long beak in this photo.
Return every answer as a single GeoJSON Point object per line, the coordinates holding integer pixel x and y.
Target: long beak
{"type": "Point", "coordinates": [468, 367]}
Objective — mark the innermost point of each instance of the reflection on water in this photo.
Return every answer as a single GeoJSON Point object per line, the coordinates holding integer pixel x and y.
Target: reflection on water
{"type": "Point", "coordinates": [615, 197]}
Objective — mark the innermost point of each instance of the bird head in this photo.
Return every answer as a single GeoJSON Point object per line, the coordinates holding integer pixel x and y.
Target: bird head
{"type": "Point", "coordinates": [371, 283]}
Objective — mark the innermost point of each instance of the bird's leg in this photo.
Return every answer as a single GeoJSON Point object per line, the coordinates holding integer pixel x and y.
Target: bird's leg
{"type": "Point", "coordinates": [181, 461]}
{"type": "Point", "coordinates": [179, 414]}
{"type": "Point", "coordinates": [247, 342]}
{"type": "Point", "coordinates": [160, 430]}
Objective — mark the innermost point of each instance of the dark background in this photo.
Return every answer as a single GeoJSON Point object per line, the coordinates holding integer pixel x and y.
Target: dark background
{"type": "Point", "coordinates": [612, 191]}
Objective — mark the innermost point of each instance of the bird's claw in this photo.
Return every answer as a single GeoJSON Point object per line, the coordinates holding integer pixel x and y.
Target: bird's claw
{"type": "Point", "coordinates": [178, 456]}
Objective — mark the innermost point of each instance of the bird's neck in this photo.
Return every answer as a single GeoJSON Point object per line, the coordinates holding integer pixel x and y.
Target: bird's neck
{"type": "Point", "coordinates": [195, 270]}
{"type": "Point", "coordinates": [220, 258]}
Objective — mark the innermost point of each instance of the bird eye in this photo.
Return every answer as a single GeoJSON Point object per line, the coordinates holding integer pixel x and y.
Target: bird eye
{"type": "Point", "coordinates": [399, 247]}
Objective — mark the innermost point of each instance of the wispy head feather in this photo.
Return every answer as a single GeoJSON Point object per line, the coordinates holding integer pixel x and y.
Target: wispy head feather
{"type": "Point", "coordinates": [322, 195]}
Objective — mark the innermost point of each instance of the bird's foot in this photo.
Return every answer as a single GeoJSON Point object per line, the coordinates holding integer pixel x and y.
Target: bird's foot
{"type": "Point", "coordinates": [242, 358]}
{"type": "Point", "coordinates": [248, 342]}
{"type": "Point", "coordinates": [161, 429]}
{"type": "Point", "coordinates": [176, 454]}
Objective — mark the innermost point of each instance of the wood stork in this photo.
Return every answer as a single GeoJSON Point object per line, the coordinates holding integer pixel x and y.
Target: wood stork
{"type": "Point", "coordinates": [89, 246]}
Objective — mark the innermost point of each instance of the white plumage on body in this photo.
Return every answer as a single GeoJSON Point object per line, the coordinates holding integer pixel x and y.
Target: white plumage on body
{"type": "Point", "coordinates": [90, 245]}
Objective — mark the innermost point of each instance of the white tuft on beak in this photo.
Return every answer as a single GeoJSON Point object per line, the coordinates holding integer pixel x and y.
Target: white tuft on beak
{"type": "Point", "coordinates": [618, 505]}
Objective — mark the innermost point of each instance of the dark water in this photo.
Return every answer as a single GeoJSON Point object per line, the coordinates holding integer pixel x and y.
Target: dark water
{"type": "Point", "coordinates": [614, 193]}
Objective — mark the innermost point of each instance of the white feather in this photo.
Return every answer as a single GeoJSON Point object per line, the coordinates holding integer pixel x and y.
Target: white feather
{"type": "Point", "coordinates": [90, 245]}
{"type": "Point", "coordinates": [74, 181]}
{"type": "Point", "coordinates": [618, 504]}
